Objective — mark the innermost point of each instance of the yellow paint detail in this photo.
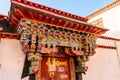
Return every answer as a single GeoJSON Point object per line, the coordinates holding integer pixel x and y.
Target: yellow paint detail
{"type": "Point", "coordinates": [51, 74]}
{"type": "Point", "coordinates": [63, 76]}
{"type": "Point", "coordinates": [58, 63]}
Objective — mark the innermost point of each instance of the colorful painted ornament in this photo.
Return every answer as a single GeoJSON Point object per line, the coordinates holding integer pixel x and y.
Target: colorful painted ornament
{"type": "Point", "coordinates": [26, 47]}
{"type": "Point", "coordinates": [31, 56]}
{"type": "Point", "coordinates": [39, 47]}
{"type": "Point", "coordinates": [23, 36]}
{"type": "Point", "coordinates": [33, 37]}
{"type": "Point", "coordinates": [32, 49]}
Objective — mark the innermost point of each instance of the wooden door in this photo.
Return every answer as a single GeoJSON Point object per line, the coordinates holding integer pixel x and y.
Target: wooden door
{"type": "Point", "coordinates": [55, 68]}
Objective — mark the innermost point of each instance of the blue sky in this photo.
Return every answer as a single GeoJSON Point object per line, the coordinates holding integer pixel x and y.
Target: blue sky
{"type": "Point", "coordinates": [78, 7]}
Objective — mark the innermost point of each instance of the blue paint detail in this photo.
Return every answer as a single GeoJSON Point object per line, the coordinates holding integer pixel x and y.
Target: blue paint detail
{"type": "Point", "coordinates": [57, 42]}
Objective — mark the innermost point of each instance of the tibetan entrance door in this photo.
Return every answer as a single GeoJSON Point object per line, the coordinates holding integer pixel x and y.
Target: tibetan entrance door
{"type": "Point", "coordinates": [55, 68]}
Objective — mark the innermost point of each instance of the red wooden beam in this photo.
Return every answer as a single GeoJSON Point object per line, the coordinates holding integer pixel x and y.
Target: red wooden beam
{"type": "Point", "coordinates": [66, 23]}
{"type": "Point", "coordinates": [20, 13]}
{"type": "Point", "coordinates": [1, 28]}
{"type": "Point", "coordinates": [59, 22]}
{"type": "Point", "coordinates": [82, 27]}
{"type": "Point", "coordinates": [77, 26]}
{"type": "Point", "coordinates": [52, 20]}
{"type": "Point", "coordinates": [39, 17]}
{"type": "Point", "coordinates": [70, 25]}
{"type": "Point", "coordinates": [36, 16]}
{"type": "Point", "coordinates": [10, 35]}
{"type": "Point", "coordinates": [15, 18]}
{"type": "Point", "coordinates": [73, 26]}
{"type": "Point", "coordinates": [47, 19]}
{"type": "Point", "coordinates": [86, 28]}
{"type": "Point", "coordinates": [31, 15]}
{"type": "Point", "coordinates": [14, 22]}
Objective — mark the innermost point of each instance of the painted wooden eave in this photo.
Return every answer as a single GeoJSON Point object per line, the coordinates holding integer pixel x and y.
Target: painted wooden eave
{"type": "Point", "coordinates": [50, 15]}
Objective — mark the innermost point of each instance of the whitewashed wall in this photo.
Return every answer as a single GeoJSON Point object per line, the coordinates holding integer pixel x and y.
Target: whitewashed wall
{"type": "Point", "coordinates": [105, 64]}
{"type": "Point", "coordinates": [111, 20]}
{"type": "Point", "coordinates": [11, 59]}
{"type": "Point", "coordinates": [106, 42]}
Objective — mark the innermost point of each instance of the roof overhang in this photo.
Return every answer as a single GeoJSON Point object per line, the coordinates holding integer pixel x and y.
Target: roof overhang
{"type": "Point", "coordinates": [29, 10]}
{"type": "Point", "coordinates": [3, 17]}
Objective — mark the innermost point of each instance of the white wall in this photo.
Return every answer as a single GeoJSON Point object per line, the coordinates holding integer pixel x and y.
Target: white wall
{"type": "Point", "coordinates": [111, 20]}
{"type": "Point", "coordinates": [105, 42]}
{"type": "Point", "coordinates": [104, 65]}
{"type": "Point", "coordinates": [11, 59]}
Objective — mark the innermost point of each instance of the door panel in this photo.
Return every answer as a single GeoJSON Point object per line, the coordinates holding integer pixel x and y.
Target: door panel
{"type": "Point", "coordinates": [55, 69]}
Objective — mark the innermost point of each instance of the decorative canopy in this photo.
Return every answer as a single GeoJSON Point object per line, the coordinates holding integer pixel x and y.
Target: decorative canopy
{"type": "Point", "coordinates": [3, 17]}
{"type": "Point", "coordinates": [29, 10]}
{"type": "Point", "coordinates": [42, 39]}
{"type": "Point", "coordinates": [52, 36]}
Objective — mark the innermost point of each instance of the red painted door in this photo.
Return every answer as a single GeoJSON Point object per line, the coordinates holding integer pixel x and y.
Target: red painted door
{"type": "Point", "coordinates": [55, 69]}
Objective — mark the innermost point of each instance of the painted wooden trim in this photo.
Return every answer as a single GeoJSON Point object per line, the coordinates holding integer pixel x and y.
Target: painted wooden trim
{"type": "Point", "coordinates": [106, 47]}
{"type": "Point", "coordinates": [59, 12]}
{"type": "Point", "coordinates": [9, 35]}
{"type": "Point", "coordinates": [109, 38]}
{"type": "Point", "coordinates": [16, 36]}
{"type": "Point", "coordinates": [1, 28]}
{"type": "Point", "coordinates": [3, 17]}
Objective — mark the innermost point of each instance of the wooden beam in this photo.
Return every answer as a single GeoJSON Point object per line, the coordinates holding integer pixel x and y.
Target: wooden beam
{"type": "Point", "coordinates": [13, 22]}
{"type": "Point", "coordinates": [85, 28]}
{"type": "Point", "coordinates": [59, 22]}
{"type": "Point", "coordinates": [31, 15]}
{"type": "Point", "coordinates": [1, 28]}
{"type": "Point", "coordinates": [52, 20]}
{"type": "Point", "coordinates": [77, 26]}
{"type": "Point", "coordinates": [47, 19]}
{"type": "Point", "coordinates": [20, 12]}
{"type": "Point", "coordinates": [15, 18]}
{"type": "Point", "coordinates": [66, 23]}
{"type": "Point", "coordinates": [71, 24]}
{"type": "Point", "coordinates": [74, 25]}
{"type": "Point", "coordinates": [40, 17]}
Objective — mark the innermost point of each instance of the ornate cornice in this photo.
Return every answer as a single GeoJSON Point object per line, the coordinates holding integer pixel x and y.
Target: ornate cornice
{"type": "Point", "coordinates": [16, 36]}
{"type": "Point", "coordinates": [9, 35]}
{"type": "Point", "coordinates": [28, 10]}
{"type": "Point", "coordinates": [3, 17]}
{"type": "Point", "coordinates": [49, 9]}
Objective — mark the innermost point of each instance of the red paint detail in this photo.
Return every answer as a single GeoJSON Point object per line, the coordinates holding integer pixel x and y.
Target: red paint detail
{"type": "Point", "coordinates": [106, 47]}
{"type": "Point", "coordinates": [3, 17]}
{"type": "Point", "coordinates": [20, 12]}
{"type": "Point", "coordinates": [109, 38]}
{"type": "Point", "coordinates": [9, 35]}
